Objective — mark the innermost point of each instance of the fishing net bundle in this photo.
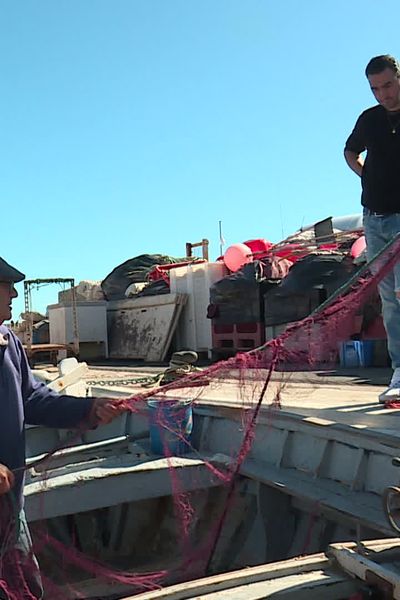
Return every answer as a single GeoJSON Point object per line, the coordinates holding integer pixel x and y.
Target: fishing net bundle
{"type": "Point", "coordinates": [255, 382]}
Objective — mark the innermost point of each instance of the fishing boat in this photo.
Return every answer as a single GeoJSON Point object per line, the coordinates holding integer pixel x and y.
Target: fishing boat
{"type": "Point", "coordinates": [278, 465]}
{"type": "Point", "coordinates": [317, 471]}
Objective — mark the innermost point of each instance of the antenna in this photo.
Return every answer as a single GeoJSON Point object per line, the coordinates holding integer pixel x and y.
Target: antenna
{"type": "Point", "coordinates": [280, 211]}
{"type": "Point", "coordinates": [221, 239]}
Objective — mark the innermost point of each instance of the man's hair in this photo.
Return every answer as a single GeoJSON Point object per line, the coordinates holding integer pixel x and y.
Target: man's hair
{"type": "Point", "coordinates": [380, 63]}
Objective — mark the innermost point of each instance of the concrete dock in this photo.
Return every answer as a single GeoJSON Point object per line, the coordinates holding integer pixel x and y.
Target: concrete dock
{"type": "Point", "coordinates": [345, 396]}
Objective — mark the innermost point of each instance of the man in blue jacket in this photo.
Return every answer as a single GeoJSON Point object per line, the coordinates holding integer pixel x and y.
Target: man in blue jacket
{"type": "Point", "coordinates": [24, 400]}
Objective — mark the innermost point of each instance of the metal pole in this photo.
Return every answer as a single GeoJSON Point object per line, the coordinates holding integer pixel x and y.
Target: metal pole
{"type": "Point", "coordinates": [28, 316]}
{"type": "Point", "coordinates": [346, 286]}
{"type": "Point", "coordinates": [204, 244]}
{"type": "Point", "coordinates": [74, 318]}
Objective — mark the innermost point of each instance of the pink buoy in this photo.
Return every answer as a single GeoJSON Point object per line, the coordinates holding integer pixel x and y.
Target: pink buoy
{"type": "Point", "coordinates": [236, 256]}
{"type": "Point", "coordinates": [358, 247]}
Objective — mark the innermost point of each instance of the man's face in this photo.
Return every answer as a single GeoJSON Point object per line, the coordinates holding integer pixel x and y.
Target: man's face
{"type": "Point", "coordinates": [385, 86]}
{"type": "Point", "coordinates": [7, 293]}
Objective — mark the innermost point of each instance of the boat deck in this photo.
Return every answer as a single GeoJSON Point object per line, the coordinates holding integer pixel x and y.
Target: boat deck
{"type": "Point", "coordinates": [346, 397]}
{"type": "Point", "coordinates": [340, 573]}
{"type": "Point", "coordinates": [326, 450]}
{"type": "Point", "coordinates": [321, 397]}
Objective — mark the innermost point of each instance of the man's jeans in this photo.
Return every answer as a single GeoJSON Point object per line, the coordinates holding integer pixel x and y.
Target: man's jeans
{"type": "Point", "coordinates": [379, 230]}
{"type": "Point", "coordinates": [22, 551]}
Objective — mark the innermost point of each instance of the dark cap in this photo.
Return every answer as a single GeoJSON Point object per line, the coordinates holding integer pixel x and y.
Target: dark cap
{"type": "Point", "coordinates": [8, 273]}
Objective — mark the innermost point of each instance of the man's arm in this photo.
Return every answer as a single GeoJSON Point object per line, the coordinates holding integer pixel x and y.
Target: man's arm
{"type": "Point", "coordinates": [355, 145]}
{"type": "Point", "coordinates": [355, 161]}
{"type": "Point", "coordinates": [45, 407]}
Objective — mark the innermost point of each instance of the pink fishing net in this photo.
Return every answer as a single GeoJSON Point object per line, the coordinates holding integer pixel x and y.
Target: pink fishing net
{"type": "Point", "coordinates": [68, 557]}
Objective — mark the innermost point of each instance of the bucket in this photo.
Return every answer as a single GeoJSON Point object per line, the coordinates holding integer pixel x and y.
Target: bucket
{"type": "Point", "coordinates": [171, 423]}
{"type": "Point", "coordinates": [355, 353]}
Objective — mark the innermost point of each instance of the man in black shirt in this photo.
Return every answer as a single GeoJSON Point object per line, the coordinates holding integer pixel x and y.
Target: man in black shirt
{"type": "Point", "coordinates": [377, 131]}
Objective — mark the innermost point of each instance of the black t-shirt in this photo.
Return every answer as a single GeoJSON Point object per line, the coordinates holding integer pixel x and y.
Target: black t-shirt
{"type": "Point", "coordinates": [378, 132]}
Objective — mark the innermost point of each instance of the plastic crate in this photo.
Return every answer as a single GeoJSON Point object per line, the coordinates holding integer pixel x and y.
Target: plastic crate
{"type": "Point", "coordinates": [237, 337]}
{"type": "Point", "coordinates": [356, 353]}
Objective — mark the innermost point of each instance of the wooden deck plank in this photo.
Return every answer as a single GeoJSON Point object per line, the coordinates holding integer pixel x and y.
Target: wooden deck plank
{"type": "Point", "coordinates": [328, 496]}
{"type": "Point", "coordinates": [121, 479]}
{"type": "Point", "coordinates": [300, 579]}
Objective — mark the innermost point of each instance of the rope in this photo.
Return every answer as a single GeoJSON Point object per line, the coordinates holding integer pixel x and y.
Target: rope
{"type": "Point", "coordinates": [243, 451]}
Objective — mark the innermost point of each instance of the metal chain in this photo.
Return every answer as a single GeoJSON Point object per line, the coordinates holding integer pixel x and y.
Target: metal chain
{"type": "Point", "coordinates": [124, 381]}
{"type": "Point", "coordinates": [169, 373]}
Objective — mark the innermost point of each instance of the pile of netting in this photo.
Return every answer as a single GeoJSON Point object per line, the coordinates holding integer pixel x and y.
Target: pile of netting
{"type": "Point", "coordinates": [255, 381]}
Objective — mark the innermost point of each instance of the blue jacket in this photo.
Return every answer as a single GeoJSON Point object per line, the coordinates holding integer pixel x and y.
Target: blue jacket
{"type": "Point", "coordinates": [24, 400]}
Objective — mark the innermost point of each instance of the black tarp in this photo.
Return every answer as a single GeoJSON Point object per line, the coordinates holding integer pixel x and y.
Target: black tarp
{"type": "Point", "coordinates": [238, 298]}
{"type": "Point", "coordinates": [134, 270]}
{"type": "Point", "coordinates": [309, 282]}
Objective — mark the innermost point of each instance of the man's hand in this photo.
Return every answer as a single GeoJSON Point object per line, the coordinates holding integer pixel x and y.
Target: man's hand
{"type": "Point", "coordinates": [355, 161]}
{"type": "Point", "coordinates": [104, 410]}
{"type": "Point", "coordinates": [6, 479]}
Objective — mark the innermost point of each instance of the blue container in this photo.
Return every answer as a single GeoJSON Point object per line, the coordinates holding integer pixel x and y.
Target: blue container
{"type": "Point", "coordinates": [171, 424]}
{"type": "Point", "coordinates": [355, 353]}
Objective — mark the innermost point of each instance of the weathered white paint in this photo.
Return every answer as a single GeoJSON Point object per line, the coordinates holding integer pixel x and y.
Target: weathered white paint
{"type": "Point", "coordinates": [310, 578]}
{"type": "Point", "coordinates": [355, 564]}
{"type": "Point", "coordinates": [194, 329]}
{"type": "Point", "coordinates": [317, 466]}
{"type": "Point", "coordinates": [334, 576]}
{"type": "Point", "coordinates": [121, 479]}
{"type": "Point", "coordinates": [92, 324]}
{"type": "Point", "coordinates": [71, 378]}
{"type": "Point", "coordinates": [142, 328]}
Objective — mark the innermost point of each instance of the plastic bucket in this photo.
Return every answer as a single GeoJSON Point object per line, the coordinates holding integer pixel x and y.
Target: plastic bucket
{"type": "Point", "coordinates": [355, 353]}
{"type": "Point", "coordinates": [171, 424]}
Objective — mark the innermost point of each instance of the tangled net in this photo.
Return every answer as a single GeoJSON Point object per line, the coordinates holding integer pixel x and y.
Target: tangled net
{"type": "Point", "coordinates": [257, 379]}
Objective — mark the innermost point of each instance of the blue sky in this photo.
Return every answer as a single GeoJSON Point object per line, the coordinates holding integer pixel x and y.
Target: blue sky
{"type": "Point", "coordinates": [133, 126]}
